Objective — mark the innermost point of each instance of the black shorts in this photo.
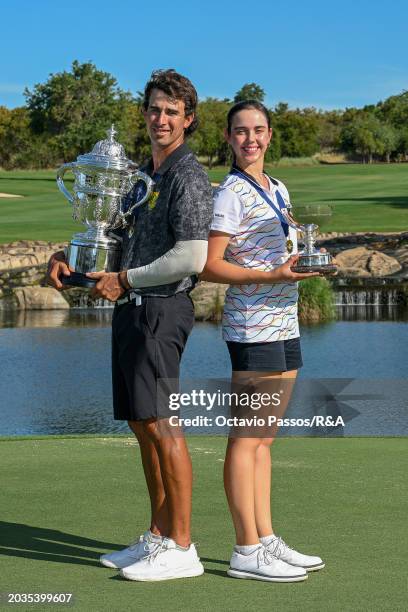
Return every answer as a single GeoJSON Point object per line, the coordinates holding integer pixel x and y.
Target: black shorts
{"type": "Point", "coordinates": [147, 343]}
{"type": "Point", "coordinates": [279, 356]}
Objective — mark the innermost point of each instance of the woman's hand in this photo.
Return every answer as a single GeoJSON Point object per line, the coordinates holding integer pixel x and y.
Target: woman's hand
{"type": "Point", "coordinates": [285, 273]}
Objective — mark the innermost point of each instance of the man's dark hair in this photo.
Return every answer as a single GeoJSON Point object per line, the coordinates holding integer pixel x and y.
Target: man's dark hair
{"type": "Point", "coordinates": [247, 105]}
{"type": "Point", "coordinates": [177, 87]}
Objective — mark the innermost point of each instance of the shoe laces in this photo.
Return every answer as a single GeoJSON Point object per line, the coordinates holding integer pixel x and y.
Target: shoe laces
{"type": "Point", "coordinates": [265, 557]}
{"type": "Point", "coordinates": [152, 555]}
{"type": "Point", "coordinates": [277, 547]}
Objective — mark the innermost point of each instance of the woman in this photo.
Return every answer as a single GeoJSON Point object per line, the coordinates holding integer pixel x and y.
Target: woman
{"type": "Point", "coordinates": [250, 248]}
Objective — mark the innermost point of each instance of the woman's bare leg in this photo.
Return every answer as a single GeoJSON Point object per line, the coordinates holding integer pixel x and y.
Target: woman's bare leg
{"type": "Point", "coordinates": [270, 383]}
{"type": "Point", "coordinates": [239, 484]}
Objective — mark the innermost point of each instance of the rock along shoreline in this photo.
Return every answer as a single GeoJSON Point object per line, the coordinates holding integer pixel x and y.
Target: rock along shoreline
{"type": "Point", "coordinates": [364, 259]}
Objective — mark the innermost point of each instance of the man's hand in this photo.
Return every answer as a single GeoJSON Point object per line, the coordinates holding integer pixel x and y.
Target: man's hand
{"type": "Point", "coordinates": [284, 272]}
{"type": "Point", "coordinates": [57, 267]}
{"type": "Point", "coordinates": [108, 285]}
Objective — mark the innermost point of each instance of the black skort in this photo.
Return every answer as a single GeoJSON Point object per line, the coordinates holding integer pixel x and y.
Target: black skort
{"type": "Point", "coordinates": [147, 344]}
{"type": "Point", "coordinates": [279, 356]}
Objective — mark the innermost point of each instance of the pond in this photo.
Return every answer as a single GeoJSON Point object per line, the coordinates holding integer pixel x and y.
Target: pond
{"type": "Point", "coordinates": [55, 373]}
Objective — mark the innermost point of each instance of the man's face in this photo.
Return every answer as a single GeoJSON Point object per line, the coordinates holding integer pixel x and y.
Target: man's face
{"type": "Point", "coordinates": [165, 120]}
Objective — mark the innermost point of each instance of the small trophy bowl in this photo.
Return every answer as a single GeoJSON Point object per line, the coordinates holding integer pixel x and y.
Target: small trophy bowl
{"type": "Point", "coordinates": [308, 220]}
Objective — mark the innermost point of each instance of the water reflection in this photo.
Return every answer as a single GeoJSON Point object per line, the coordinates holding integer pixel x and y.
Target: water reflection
{"type": "Point", "coordinates": [380, 312]}
{"type": "Point", "coordinates": [73, 317]}
{"type": "Point", "coordinates": [55, 374]}
{"type": "Point", "coordinates": [101, 317]}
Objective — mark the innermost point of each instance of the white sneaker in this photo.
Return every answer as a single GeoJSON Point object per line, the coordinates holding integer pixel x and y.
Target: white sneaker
{"type": "Point", "coordinates": [262, 565]}
{"type": "Point", "coordinates": [166, 562]}
{"type": "Point", "coordinates": [138, 549]}
{"type": "Point", "coordinates": [279, 549]}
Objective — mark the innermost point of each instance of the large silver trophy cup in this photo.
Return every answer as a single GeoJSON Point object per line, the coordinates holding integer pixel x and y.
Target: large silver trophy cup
{"type": "Point", "coordinates": [102, 179]}
{"type": "Point", "coordinates": [308, 220]}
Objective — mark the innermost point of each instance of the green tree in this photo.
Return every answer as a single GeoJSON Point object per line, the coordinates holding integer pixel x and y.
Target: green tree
{"type": "Point", "coordinates": [19, 147]}
{"type": "Point", "coordinates": [74, 109]}
{"type": "Point", "coordinates": [364, 135]}
{"type": "Point", "coordinates": [394, 110]}
{"type": "Point", "coordinates": [329, 129]}
{"type": "Point", "coordinates": [208, 140]}
{"type": "Point", "coordinates": [273, 153]}
{"type": "Point", "coordinates": [250, 91]}
{"type": "Point", "coordinates": [132, 132]}
{"type": "Point", "coordinates": [387, 140]}
{"type": "Point", "coordinates": [402, 144]}
{"type": "Point", "coordinates": [298, 129]}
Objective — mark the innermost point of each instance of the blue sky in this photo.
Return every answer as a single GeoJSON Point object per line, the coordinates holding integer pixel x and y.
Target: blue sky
{"type": "Point", "coordinates": [310, 53]}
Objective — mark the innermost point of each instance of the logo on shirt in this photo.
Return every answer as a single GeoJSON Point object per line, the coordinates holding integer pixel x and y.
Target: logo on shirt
{"type": "Point", "coordinates": [152, 200]}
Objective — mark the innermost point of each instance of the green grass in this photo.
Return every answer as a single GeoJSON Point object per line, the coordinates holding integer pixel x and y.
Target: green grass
{"type": "Point", "coordinates": [43, 213]}
{"type": "Point", "coordinates": [67, 500]}
{"type": "Point", "coordinates": [295, 161]}
{"type": "Point", "coordinates": [364, 198]}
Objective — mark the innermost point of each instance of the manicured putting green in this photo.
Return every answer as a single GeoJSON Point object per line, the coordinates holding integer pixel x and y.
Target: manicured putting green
{"type": "Point", "coordinates": [67, 500]}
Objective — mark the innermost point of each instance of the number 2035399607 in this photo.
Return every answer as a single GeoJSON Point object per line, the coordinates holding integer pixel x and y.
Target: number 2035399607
{"type": "Point", "coordinates": [19, 598]}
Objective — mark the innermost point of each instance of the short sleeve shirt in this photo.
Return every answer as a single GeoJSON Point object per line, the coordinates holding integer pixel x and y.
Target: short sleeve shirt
{"type": "Point", "coordinates": [255, 313]}
{"type": "Point", "coordinates": [179, 208]}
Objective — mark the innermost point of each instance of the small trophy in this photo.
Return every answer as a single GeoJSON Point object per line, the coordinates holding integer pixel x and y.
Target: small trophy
{"type": "Point", "coordinates": [102, 178]}
{"type": "Point", "coordinates": [312, 217]}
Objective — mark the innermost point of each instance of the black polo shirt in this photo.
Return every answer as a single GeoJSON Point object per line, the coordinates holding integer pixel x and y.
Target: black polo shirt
{"type": "Point", "coordinates": [179, 208]}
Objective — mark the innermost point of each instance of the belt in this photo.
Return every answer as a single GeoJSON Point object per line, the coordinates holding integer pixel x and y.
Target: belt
{"type": "Point", "coordinates": [131, 297]}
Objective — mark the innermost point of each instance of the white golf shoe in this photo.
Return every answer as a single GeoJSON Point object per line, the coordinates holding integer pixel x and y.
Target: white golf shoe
{"type": "Point", "coordinates": [144, 545]}
{"type": "Point", "coordinates": [166, 562]}
{"type": "Point", "coordinates": [262, 565]}
{"type": "Point", "coordinates": [279, 549]}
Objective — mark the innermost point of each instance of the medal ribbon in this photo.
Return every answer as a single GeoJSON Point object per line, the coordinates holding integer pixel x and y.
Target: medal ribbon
{"type": "Point", "coordinates": [281, 202]}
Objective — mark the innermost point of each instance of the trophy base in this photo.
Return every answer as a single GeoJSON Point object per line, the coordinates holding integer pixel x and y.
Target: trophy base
{"type": "Point", "coordinates": [87, 253]}
{"type": "Point", "coordinates": [314, 262]}
{"type": "Point", "coordinates": [327, 269]}
{"type": "Point", "coordinates": [76, 279]}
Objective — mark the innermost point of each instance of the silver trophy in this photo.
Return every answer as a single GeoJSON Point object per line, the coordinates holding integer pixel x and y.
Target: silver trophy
{"type": "Point", "coordinates": [102, 179]}
{"type": "Point", "coordinates": [308, 220]}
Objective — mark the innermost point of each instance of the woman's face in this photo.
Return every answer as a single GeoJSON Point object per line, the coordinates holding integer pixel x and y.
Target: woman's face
{"type": "Point", "coordinates": [249, 137]}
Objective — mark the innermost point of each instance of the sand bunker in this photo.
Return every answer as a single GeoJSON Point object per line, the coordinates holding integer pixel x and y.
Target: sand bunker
{"type": "Point", "coordinates": [9, 195]}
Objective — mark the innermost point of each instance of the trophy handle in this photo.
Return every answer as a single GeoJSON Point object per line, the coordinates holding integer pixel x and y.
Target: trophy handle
{"type": "Point", "coordinates": [60, 173]}
{"type": "Point", "coordinates": [140, 176]}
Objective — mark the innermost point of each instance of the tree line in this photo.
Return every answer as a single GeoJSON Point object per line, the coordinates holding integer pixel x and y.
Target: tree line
{"type": "Point", "coordinates": [70, 112]}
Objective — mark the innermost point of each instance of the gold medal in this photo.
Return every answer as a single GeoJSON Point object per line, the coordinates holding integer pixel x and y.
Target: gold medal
{"type": "Point", "coordinates": [289, 246]}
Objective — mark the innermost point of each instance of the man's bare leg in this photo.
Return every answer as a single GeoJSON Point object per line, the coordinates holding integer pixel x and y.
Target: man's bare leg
{"type": "Point", "coordinates": [151, 467]}
{"type": "Point", "coordinates": [177, 477]}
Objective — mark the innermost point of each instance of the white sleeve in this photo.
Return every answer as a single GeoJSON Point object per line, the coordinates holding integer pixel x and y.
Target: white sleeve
{"type": "Point", "coordinates": [227, 211]}
{"type": "Point", "coordinates": [186, 258]}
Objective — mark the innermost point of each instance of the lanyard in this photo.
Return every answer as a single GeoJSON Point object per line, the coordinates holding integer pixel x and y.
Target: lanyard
{"type": "Point", "coordinates": [284, 223]}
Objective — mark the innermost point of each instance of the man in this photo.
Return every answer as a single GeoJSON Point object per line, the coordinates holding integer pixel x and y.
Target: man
{"type": "Point", "coordinates": [162, 253]}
